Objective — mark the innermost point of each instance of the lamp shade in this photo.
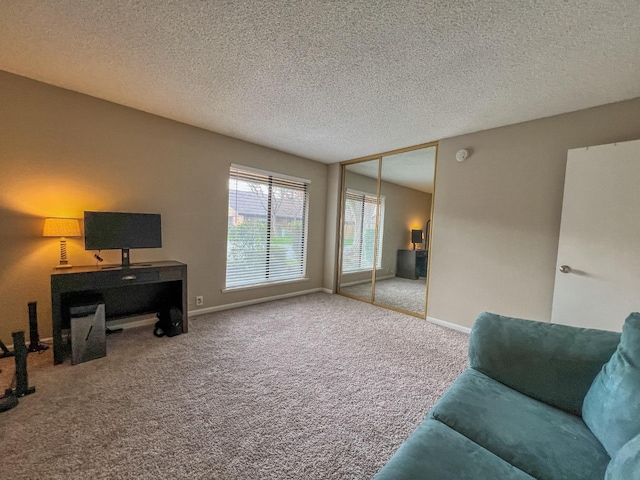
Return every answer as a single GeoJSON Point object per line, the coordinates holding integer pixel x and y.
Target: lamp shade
{"type": "Point", "coordinates": [416, 236]}
{"type": "Point", "coordinates": [61, 227]}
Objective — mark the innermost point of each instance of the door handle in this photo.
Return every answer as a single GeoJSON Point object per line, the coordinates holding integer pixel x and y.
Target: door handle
{"type": "Point", "coordinates": [564, 268]}
{"type": "Point", "coordinates": [129, 277]}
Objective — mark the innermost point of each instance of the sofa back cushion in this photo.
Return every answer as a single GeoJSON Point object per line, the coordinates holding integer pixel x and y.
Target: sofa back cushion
{"type": "Point", "coordinates": [611, 408]}
{"type": "Point", "coordinates": [626, 464]}
{"type": "Point", "coordinates": [553, 363]}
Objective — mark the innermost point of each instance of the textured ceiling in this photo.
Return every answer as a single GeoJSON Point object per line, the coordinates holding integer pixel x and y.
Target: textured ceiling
{"type": "Point", "coordinates": [332, 80]}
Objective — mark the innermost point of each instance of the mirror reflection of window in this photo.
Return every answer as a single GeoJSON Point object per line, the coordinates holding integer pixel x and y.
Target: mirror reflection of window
{"type": "Point", "coordinates": [358, 240]}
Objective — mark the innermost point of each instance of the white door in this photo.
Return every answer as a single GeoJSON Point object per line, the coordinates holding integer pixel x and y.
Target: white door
{"type": "Point", "coordinates": [598, 275]}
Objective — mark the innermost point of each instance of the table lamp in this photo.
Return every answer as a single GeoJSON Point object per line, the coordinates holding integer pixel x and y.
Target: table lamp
{"type": "Point", "coordinates": [62, 227]}
{"type": "Point", "coordinates": [416, 237]}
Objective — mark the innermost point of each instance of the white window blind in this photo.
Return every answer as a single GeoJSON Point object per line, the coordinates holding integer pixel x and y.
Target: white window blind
{"type": "Point", "coordinates": [359, 232]}
{"type": "Point", "coordinates": [267, 228]}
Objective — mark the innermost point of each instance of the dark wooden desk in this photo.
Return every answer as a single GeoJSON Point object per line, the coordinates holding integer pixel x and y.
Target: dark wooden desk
{"type": "Point", "coordinates": [136, 290]}
{"type": "Point", "coordinates": [411, 264]}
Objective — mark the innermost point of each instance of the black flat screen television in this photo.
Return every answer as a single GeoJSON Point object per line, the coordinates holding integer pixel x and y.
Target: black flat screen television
{"type": "Point", "coordinates": [122, 231]}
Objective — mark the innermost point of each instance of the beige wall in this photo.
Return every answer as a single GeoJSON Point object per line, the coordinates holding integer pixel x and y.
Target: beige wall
{"type": "Point", "coordinates": [332, 226]}
{"type": "Point", "coordinates": [62, 153]}
{"type": "Point", "coordinates": [497, 215]}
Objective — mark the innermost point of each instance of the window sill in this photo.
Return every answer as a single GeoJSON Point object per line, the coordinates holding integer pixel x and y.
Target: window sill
{"type": "Point", "coordinates": [264, 284]}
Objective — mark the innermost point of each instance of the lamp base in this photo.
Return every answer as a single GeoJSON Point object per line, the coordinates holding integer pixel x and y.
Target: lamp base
{"type": "Point", "coordinates": [64, 266]}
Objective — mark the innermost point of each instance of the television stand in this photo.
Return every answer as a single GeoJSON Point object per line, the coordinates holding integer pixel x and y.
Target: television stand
{"type": "Point", "coordinates": [111, 267]}
{"type": "Point", "coordinates": [411, 264]}
{"type": "Point", "coordinates": [125, 291]}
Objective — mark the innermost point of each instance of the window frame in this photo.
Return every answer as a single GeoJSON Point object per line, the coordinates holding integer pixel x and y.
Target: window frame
{"type": "Point", "coordinates": [271, 180]}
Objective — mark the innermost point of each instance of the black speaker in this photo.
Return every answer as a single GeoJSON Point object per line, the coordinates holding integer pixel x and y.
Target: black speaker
{"type": "Point", "coordinates": [33, 322]}
{"type": "Point", "coordinates": [35, 345]}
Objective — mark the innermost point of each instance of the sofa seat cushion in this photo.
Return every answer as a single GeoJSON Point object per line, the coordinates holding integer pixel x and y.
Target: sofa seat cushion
{"type": "Point", "coordinates": [546, 442]}
{"type": "Point", "coordinates": [436, 452]}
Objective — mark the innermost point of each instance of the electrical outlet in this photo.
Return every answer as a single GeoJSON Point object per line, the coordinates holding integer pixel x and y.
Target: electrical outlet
{"type": "Point", "coordinates": [199, 301]}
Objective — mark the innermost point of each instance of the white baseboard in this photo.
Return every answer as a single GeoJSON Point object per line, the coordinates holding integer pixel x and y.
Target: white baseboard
{"type": "Point", "coordinates": [229, 306]}
{"type": "Point", "coordinates": [450, 325]}
{"type": "Point", "coordinates": [386, 277]}
{"type": "Point", "coordinates": [357, 282]}
{"type": "Point", "coordinates": [124, 323]}
{"type": "Point", "coordinates": [47, 341]}
{"type": "Point", "coordinates": [146, 320]}
{"type": "Point", "coordinates": [368, 280]}
{"type": "Point", "coordinates": [133, 322]}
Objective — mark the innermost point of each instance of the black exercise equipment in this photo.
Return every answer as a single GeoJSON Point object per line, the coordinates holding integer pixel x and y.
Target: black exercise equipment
{"type": "Point", "coordinates": [22, 388]}
{"type": "Point", "coordinates": [20, 385]}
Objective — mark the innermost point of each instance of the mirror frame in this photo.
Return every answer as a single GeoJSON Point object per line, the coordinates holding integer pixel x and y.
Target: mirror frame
{"type": "Point", "coordinates": [338, 269]}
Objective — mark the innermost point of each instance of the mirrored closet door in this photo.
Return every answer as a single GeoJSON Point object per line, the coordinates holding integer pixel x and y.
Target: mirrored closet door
{"type": "Point", "coordinates": [385, 228]}
{"type": "Point", "coordinates": [359, 221]}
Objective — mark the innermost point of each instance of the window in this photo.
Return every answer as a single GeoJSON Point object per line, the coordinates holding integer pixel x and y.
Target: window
{"type": "Point", "coordinates": [359, 231]}
{"type": "Point", "coordinates": [267, 227]}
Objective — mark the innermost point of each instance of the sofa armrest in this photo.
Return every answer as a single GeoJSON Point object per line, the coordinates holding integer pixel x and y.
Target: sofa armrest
{"type": "Point", "coordinates": [555, 364]}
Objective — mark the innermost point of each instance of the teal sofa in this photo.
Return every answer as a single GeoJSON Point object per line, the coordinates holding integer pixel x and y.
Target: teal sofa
{"type": "Point", "coordinates": [539, 401]}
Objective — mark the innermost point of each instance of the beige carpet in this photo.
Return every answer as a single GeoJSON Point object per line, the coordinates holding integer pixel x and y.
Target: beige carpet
{"type": "Point", "coordinates": [313, 387]}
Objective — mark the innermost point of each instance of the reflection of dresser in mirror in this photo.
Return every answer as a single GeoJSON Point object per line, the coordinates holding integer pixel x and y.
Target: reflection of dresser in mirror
{"type": "Point", "coordinates": [411, 264]}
